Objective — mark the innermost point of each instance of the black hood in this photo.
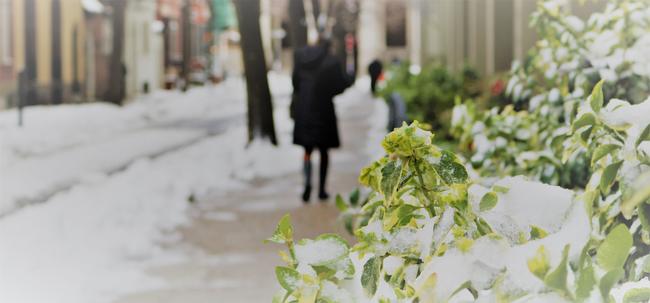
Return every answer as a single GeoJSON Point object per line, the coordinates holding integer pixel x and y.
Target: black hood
{"type": "Point", "coordinates": [310, 57]}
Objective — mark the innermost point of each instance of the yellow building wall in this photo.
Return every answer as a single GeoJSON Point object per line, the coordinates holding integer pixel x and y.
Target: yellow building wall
{"type": "Point", "coordinates": [71, 17]}
{"type": "Point", "coordinates": [43, 42]}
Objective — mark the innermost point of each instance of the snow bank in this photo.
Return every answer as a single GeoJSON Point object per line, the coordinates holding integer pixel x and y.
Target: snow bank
{"type": "Point", "coordinates": [49, 129]}
{"type": "Point", "coordinates": [93, 242]}
{"type": "Point", "coordinates": [60, 145]}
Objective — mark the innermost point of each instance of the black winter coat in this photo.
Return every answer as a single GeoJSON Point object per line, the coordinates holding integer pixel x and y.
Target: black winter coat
{"type": "Point", "coordinates": [317, 78]}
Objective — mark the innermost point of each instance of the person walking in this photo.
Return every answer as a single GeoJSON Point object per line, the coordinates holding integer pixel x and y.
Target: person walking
{"type": "Point", "coordinates": [317, 77]}
{"type": "Point", "coordinates": [375, 69]}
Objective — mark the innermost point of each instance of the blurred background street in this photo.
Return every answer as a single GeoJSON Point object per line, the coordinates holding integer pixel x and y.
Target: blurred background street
{"type": "Point", "coordinates": [146, 146]}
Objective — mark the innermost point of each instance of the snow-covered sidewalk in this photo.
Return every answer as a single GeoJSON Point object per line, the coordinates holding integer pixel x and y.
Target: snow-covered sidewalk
{"type": "Point", "coordinates": [61, 146]}
{"type": "Point", "coordinates": [94, 241]}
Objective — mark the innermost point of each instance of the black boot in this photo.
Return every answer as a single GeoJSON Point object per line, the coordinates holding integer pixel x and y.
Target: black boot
{"type": "Point", "coordinates": [323, 196]}
{"type": "Point", "coordinates": [307, 177]}
{"type": "Point", "coordinates": [324, 163]}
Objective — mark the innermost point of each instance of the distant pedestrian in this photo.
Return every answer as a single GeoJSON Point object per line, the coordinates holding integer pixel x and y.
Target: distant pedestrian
{"type": "Point", "coordinates": [317, 77]}
{"type": "Point", "coordinates": [374, 70]}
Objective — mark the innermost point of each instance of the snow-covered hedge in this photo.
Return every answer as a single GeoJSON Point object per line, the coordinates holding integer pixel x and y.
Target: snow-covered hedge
{"type": "Point", "coordinates": [426, 233]}
{"type": "Point", "coordinates": [551, 84]}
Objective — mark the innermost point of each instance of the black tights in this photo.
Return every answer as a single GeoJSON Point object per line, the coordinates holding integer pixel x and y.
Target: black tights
{"type": "Point", "coordinates": [324, 162]}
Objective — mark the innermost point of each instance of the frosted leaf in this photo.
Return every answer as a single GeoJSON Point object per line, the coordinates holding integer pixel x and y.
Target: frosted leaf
{"type": "Point", "coordinates": [536, 101]}
{"type": "Point", "coordinates": [392, 264]}
{"type": "Point", "coordinates": [324, 249]}
{"type": "Point", "coordinates": [532, 203]}
{"type": "Point", "coordinates": [443, 227]}
{"type": "Point", "coordinates": [619, 292]}
{"type": "Point", "coordinates": [333, 293]}
{"type": "Point", "coordinates": [305, 269]}
{"type": "Point", "coordinates": [402, 241]}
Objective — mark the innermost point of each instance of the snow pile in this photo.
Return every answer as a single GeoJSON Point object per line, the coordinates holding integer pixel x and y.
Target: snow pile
{"type": "Point", "coordinates": [49, 129]}
{"type": "Point", "coordinates": [64, 169]}
{"type": "Point", "coordinates": [93, 242]}
{"type": "Point", "coordinates": [61, 145]}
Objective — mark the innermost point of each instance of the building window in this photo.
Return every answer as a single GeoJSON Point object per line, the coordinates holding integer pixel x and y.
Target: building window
{"type": "Point", "coordinates": [5, 32]}
{"type": "Point", "coordinates": [395, 24]}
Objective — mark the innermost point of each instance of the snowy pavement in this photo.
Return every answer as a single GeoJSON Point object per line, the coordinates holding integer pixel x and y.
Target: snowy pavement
{"type": "Point", "coordinates": [227, 260]}
{"type": "Point", "coordinates": [61, 146]}
{"type": "Point", "coordinates": [102, 203]}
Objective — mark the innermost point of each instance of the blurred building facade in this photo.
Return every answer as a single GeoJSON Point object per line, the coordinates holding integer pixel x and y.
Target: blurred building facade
{"type": "Point", "coordinates": [7, 76]}
{"type": "Point", "coordinates": [486, 34]}
{"type": "Point", "coordinates": [48, 49]}
{"type": "Point", "coordinates": [143, 47]}
{"type": "Point", "coordinates": [61, 51]}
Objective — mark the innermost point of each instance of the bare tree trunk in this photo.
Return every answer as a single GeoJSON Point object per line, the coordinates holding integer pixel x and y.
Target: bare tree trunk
{"type": "Point", "coordinates": [116, 92]}
{"type": "Point", "coordinates": [187, 44]}
{"type": "Point", "coordinates": [260, 106]}
{"type": "Point", "coordinates": [297, 24]}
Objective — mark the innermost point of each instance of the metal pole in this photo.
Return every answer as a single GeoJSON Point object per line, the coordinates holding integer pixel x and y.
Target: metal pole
{"type": "Point", "coordinates": [22, 94]}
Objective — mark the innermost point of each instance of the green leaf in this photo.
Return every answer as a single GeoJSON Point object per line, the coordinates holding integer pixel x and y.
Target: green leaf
{"type": "Point", "coordinates": [483, 227]}
{"type": "Point", "coordinates": [464, 244]}
{"type": "Point", "coordinates": [467, 285]}
{"type": "Point", "coordinates": [488, 201]}
{"type": "Point", "coordinates": [608, 281]}
{"type": "Point", "coordinates": [584, 135]}
{"type": "Point", "coordinates": [602, 151]}
{"type": "Point", "coordinates": [348, 222]}
{"type": "Point", "coordinates": [390, 175]}
{"type": "Point", "coordinates": [354, 197]}
{"type": "Point", "coordinates": [288, 278]}
{"type": "Point", "coordinates": [609, 175]}
{"type": "Point", "coordinates": [613, 252]}
{"type": "Point", "coordinates": [637, 295]}
{"type": "Point", "coordinates": [450, 170]}
{"type": "Point", "coordinates": [283, 232]}
{"type": "Point", "coordinates": [596, 98]}
{"type": "Point", "coordinates": [340, 203]}
{"type": "Point", "coordinates": [537, 232]}
{"type": "Point", "coordinates": [585, 283]}
{"type": "Point", "coordinates": [557, 279]}
{"type": "Point", "coordinates": [539, 264]}
{"type": "Point", "coordinates": [586, 119]}
{"type": "Point", "coordinates": [500, 189]}
{"type": "Point", "coordinates": [644, 215]}
{"type": "Point", "coordinates": [370, 275]}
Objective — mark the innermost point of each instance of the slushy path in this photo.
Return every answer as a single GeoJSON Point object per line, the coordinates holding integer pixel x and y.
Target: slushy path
{"type": "Point", "coordinates": [227, 259]}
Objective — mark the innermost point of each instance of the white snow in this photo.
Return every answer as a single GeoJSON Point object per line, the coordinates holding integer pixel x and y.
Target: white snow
{"type": "Point", "coordinates": [619, 292]}
{"type": "Point", "coordinates": [525, 203]}
{"type": "Point", "coordinates": [319, 251]}
{"type": "Point", "coordinates": [92, 242]}
{"type": "Point", "coordinates": [59, 145]}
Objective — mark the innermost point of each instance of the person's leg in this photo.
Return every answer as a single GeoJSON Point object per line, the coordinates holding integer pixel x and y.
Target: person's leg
{"type": "Point", "coordinates": [307, 173]}
{"type": "Point", "coordinates": [324, 163]}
